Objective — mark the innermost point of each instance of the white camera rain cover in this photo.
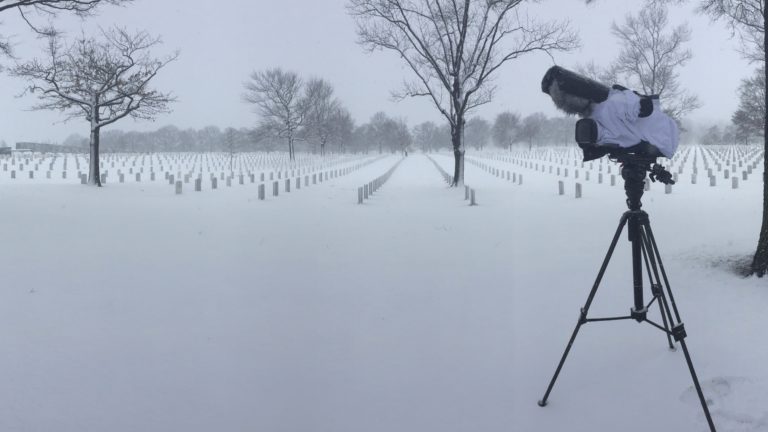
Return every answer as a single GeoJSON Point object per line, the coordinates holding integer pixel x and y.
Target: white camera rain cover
{"type": "Point", "coordinates": [619, 122]}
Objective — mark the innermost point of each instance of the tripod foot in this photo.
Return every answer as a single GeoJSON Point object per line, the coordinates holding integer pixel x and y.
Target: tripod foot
{"type": "Point", "coordinates": [542, 403]}
{"type": "Point", "coordinates": [673, 349]}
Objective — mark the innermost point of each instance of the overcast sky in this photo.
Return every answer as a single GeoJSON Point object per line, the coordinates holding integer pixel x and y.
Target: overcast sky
{"type": "Point", "coordinates": [220, 45]}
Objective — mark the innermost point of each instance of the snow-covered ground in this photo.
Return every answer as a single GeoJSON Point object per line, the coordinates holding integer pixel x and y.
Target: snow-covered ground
{"type": "Point", "coordinates": [129, 308]}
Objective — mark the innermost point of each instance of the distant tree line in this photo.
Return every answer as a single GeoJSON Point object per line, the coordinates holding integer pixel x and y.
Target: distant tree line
{"type": "Point", "coordinates": [382, 133]}
{"type": "Point", "coordinates": [173, 139]}
{"type": "Point", "coordinates": [507, 130]}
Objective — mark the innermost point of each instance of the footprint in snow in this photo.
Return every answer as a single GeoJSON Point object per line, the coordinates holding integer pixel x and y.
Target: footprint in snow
{"type": "Point", "coordinates": [737, 404]}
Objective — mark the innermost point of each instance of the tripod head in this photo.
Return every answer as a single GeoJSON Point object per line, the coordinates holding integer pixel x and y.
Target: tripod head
{"type": "Point", "coordinates": [634, 167]}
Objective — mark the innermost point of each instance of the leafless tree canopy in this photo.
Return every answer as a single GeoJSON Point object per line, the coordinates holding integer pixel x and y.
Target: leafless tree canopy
{"type": "Point", "coordinates": [478, 132]}
{"type": "Point", "coordinates": [651, 56]}
{"type": "Point", "coordinates": [506, 129]}
{"type": "Point", "coordinates": [48, 8]}
{"type": "Point", "coordinates": [343, 126]}
{"type": "Point", "coordinates": [454, 46]}
{"type": "Point", "coordinates": [81, 7]}
{"type": "Point", "coordinates": [103, 79]}
{"type": "Point", "coordinates": [388, 133]}
{"type": "Point", "coordinates": [749, 118]}
{"type": "Point", "coordinates": [596, 72]}
{"type": "Point", "coordinates": [746, 19]}
{"type": "Point", "coordinates": [322, 107]}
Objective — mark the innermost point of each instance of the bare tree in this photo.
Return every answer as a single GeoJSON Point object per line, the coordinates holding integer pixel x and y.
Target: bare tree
{"type": "Point", "coordinates": [559, 130]}
{"type": "Point", "coordinates": [506, 129]}
{"type": "Point", "coordinates": [531, 128]}
{"type": "Point", "coordinates": [50, 9]}
{"type": "Point", "coordinates": [321, 108]}
{"type": "Point", "coordinates": [342, 126]}
{"type": "Point", "coordinates": [749, 118]}
{"type": "Point", "coordinates": [230, 139]}
{"type": "Point", "coordinates": [477, 133]}
{"type": "Point", "coordinates": [386, 133]}
{"type": "Point", "coordinates": [379, 130]}
{"type": "Point", "coordinates": [401, 138]}
{"type": "Point", "coordinates": [748, 19]}
{"type": "Point", "coordinates": [651, 56]}
{"type": "Point", "coordinates": [279, 100]}
{"type": "Point", "coordinates": [428, 137]}
{"type": "Point", "coordinates": [712, 136]}
{"type": "Point", "coordinates": [454, 47]}
{"type": "Point", "coordinates": [360, 139]}
{"type": "Point", "coordinates": [101, 80]}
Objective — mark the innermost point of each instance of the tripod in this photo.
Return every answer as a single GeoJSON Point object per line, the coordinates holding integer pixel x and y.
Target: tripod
{"type": "Point", "coordinates": [644, 250]}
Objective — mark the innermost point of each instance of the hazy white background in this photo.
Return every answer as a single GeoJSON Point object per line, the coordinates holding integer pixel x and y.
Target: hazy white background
{"type": "Point", "coordinates": [222, 42]}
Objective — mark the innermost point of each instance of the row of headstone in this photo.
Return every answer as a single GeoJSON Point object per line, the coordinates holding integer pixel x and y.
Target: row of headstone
{"type": "Point", "coordinates": [733, 160]}
{"type": "Point", "coordinates": [133, 162]}
{"type": "Point", "coordinates": [446, 177]}
{"type": "Point", "coordinates": [364, 192]}
{"type": "Point", "coordinates": [288, 182]}
{"type": "Point", "coordinates": [513, 177]}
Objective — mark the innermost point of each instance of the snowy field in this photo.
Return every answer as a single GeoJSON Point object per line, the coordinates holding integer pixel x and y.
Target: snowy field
{"type": "Point", "coordinates": [132, 308]}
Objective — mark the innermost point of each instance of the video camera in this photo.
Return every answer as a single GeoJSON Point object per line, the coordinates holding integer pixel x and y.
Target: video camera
{"type": "Point", "coordinates": [614, 121]}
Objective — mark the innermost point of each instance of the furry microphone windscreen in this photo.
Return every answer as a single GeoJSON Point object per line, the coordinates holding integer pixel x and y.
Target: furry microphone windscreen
{"type": "Point", "coordinates": [571, 92]}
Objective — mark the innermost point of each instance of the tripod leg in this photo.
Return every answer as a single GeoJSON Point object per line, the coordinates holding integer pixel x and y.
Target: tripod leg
{"type": "Point", "coordinates": [698, 387]}
{"type": "Point", "coordinates": [678, 330]}
{"type": "Point", "coordinates": [585, 309]}
{"type": "Point", "coordinates": [662, 306]}
{"type": "Point", "coordinates": [658, 292]}
{"type": "Point", "coordinates": [655, 258]}
{"type": "Point", "coordinates": [655, 250]}
{"type": "Point", "coordinates": [543, 401]}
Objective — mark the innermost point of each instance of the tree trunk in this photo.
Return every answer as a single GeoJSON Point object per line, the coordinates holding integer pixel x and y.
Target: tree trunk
{"type": "Point", "coordinates": [94, 173]}
{"type": "Point", "coordinates": [760, 260]}
{"type": "Point", "coordinates": [290, 148]}
{"type": "Point", "coordinates": [457, 139]}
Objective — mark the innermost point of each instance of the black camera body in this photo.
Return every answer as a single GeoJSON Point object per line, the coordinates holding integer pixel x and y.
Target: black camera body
{"type": "Point", "coordinates": [586, 138]}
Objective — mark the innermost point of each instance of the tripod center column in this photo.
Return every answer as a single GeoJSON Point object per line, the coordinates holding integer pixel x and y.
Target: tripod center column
{"type": "Point", "coordinates": [634, 184]}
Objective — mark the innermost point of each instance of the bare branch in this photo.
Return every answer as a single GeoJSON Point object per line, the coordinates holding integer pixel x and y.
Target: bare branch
{"type": "Point", "coordinates": [745, 19]}
{"type": "Point", "coordinates": [453, 47]}
{"type": "Point", "coordinates": [650, 57]}
{"type": "Point", "coordinates": [102, 80]}
{"type": "Point", "coordinates": [49, 9]}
